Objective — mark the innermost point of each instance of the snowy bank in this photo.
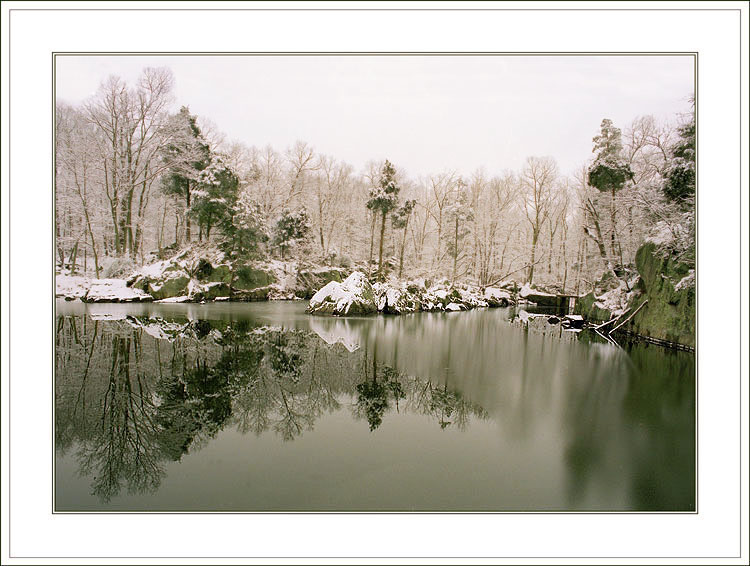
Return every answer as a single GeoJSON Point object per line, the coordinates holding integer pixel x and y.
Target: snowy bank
{"type": "Point", "coordinates": [395, 297]}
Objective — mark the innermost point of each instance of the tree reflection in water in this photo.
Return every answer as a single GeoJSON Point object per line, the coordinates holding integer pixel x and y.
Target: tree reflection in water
{"type": "Point", "coordinates": [134, 394]}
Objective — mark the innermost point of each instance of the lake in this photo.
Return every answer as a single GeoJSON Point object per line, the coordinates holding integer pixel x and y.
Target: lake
{"type": "Point", "coordinates": [261, 407]}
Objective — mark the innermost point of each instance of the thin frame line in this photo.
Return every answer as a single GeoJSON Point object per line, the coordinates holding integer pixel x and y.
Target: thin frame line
{"type": "Point", "coordinates": [408, 9]}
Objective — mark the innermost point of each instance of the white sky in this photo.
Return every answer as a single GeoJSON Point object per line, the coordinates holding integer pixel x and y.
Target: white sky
{"type": "Point", "coordinates": [426, 114]}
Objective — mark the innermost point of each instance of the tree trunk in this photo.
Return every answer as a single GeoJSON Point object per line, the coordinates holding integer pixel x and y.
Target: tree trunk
{"type": "Point", "coordinates": [534, 239]}
{"type": "Point", "coordinates": [93, 241]}
{"type": "Point", "coordinates": [613, 239]}
{"type": "Point", "coordinates": [380, 253]}
{"type": "Point", "coordinates": [187, 212]}
{"type": "Point", "coordinates": [455, 251]}
{"type": "Point", "coordinates": [372, 244]}
{"type": "Point", "coordinates": [161, 230]}
{"type": "Point", "coordinates": [403, 246]}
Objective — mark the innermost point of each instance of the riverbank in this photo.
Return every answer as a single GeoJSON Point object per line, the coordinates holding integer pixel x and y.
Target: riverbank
{"type": "Point", "coordinates": [656, 301]}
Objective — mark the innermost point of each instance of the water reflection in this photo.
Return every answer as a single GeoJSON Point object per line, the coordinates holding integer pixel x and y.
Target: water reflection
{"type": "Point", "coordinates": [141, 388]}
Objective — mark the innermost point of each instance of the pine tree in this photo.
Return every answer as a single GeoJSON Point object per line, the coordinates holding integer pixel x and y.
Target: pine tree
{"type": "Point", "coordinates": [400, 221]}
{"type": "Point", "coordinates": [384, 199]}
{"type": "Point", "coordinates": [215, 195]}
{"type": "Point", "coordinates": [610, 171]}
{"type": "Point", "coordinates": [290, 228]}
{"type": "Point", "coordinates": [458, 213]}
{"type": "Point", "coordinates": [188, 154]}
{"type": "Point", "coordinates": [680, 176]}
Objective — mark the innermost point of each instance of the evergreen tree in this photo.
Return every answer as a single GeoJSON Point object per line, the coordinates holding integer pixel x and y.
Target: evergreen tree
{"type": "Point", "coordinates": [291, 228]}
{"type": "Point", "coordinates": [458, 213]}
{"type": "Point", "coordinates": [245, 226]}
{"type": "Point", "coordinates": [400, 221]}
{"type": "Point", "coordinates": [384, 199]}
{"type": "Point", "coordinates": [680, 177]}
{"type": "Point", "coordinates": [610, 171]}
{"type": "Point", "coordinates": [188, 154]}
{"type": "Point", "coordinates": [215, 195]}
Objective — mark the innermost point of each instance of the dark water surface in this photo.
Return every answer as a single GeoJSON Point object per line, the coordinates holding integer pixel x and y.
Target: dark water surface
{"type": "Point", "coordinates": [260, 407]}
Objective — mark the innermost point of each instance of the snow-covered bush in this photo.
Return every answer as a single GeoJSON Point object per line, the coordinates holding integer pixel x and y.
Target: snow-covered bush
{"type": "Point", "coordinates": [119, 267]}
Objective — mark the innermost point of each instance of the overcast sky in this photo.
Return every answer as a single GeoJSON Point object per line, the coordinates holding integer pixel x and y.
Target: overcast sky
{"type": "Point", "coordinates": [425, 114]}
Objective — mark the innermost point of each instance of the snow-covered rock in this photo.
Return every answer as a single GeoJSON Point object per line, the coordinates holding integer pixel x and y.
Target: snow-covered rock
{"type": "Point", "coordinates": [686, 282]}
{"type": "Point", "coordinates": [354, 296]}
{"type": "Point", "coordinates": [497, 297]}
{"type": "Point", "coordinates": [472, 298]}
{"type": "Point", "coordinates": [453, 307]}
{"type": "Point", "coordinates": [396, 299]}
{"type": "Point", "coordinates": [114, 291]}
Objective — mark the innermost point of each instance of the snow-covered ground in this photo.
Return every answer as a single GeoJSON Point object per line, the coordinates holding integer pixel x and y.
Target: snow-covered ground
{"type": "Point", "coordinates": [114, 290]}
{"type": "Point", "coordinates": [72, 287]}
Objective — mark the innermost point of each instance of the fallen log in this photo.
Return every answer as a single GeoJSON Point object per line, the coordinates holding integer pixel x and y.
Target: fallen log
{"type": "Point", "coordinates": [631, 316]}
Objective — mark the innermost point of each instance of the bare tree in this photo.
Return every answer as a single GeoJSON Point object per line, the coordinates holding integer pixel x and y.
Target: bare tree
{"type": "Point", "coordinates": [538, 178]}
{"type": "Point", "coordinates": [132, 122]}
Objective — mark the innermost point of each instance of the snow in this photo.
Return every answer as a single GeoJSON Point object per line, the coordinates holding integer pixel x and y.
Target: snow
{"type": "Point", "coordinates": [662, 234]}
{"type": "Point", "coordinates": [114, 290]}
{"type": "Point", "coordinates": [180, 299]}
{"type": "Point", "coordinates": [286, 275]}
{"type": "Point", "coordinates": [155, 270]}
{"type": "Point", "coordinates": [527, 290]}
{"type": "Point", "coordinates": [496, 294]}
{"type": "Point", "coordinates": [343, 295]}
{"type": "Point", "coordinates": [686, 282]}
{"type": "Point", "coordinates": [453, 307]}
{"type": "Point", "coordinates": [71, 286]}
{"type": "Point", "coordinates": [616, 300]}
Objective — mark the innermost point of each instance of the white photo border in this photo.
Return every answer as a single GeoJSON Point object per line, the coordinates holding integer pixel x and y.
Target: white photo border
{"type": "Point", "coordinates": [33, 533]}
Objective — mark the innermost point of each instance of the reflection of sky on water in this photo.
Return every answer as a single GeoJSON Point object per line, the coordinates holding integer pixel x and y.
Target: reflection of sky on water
{"type": "Point", "coordinates": [491, 414]}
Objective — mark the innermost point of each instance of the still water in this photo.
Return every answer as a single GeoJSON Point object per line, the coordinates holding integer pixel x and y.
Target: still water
{"type": "Point", "coordinates": [260, 407]}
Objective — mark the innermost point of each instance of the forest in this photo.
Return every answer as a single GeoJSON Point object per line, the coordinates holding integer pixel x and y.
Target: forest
{"type": "Point", "coordinates": [139, 177]}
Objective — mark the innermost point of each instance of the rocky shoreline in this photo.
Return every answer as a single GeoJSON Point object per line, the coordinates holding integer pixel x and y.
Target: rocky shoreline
{"type": "Point", "coordinates": [660, 295]}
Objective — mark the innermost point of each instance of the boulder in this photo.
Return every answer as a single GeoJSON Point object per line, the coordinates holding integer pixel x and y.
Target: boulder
{"type": "Point", "coordinates": [172, 284]}
{"type": "Point", "coordinates": [497, 297]}
{"type": "Point", "coordinates": [308, 280]}
{"type": "Point", "coordinates": [249, 277]}
{"type": "Point", "coordinates": [669, 287]}
{"type": "Point", "coordinates": [395, 300]}
{"type": "Point", "coordinates": [208, 291]}
{"type": "Point", "coordinates": [471, 298]}
{"type": "Point", "coordinates": [354, 296]}
{"type": "Point", "coordinates": [588, 307]}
